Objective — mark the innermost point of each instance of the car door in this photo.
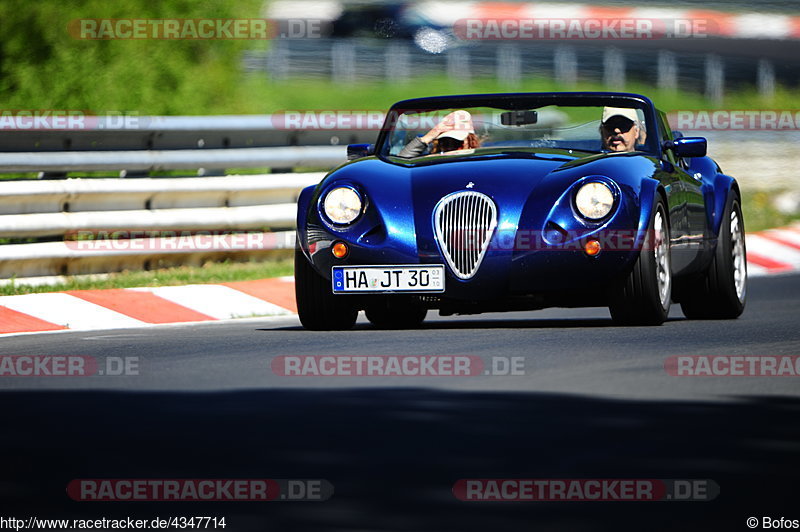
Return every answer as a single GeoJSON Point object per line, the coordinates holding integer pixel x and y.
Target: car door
{"type": "Point", "coordinates": [688, 229]}
{"type": "Point", "coordinates": [695, 208]}
{"type": "Point", "coordinates": [696, 219]}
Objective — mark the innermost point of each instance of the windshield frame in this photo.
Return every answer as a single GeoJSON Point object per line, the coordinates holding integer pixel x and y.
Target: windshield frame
{"type": "Point", "coordinates": [524, 101]}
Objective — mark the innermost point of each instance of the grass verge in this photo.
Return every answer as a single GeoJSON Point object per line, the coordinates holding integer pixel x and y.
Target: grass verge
{"type": "Point", "coordinates": [760, 213]}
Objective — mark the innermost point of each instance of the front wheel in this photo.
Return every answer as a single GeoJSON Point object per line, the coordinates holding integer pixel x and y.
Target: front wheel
{"type": "Point", "coordinates": [645, 294]}
{"type": "Point", "coordinates": [721, 292]}
{"type": "Point", "coordinates": [319, 309]}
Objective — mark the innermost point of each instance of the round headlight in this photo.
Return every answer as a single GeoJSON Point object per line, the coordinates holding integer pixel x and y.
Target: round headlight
{"type": "Point", "coordinates": [594, 200]}
{"type": "Point", "coordinates": [342, 205]}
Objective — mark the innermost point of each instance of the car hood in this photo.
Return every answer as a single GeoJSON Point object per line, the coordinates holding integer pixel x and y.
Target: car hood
{"type": "Point", "coordinates": [525, 187]}
{"type": "Point", "coordinates": [502, 177]}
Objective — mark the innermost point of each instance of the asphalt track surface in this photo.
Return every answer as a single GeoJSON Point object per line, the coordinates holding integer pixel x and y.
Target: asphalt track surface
{"type": "Point", "coordinates": [595, 402]}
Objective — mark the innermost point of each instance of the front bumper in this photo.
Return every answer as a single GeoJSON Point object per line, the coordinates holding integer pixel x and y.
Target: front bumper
{"type": "Point", "coordinates": [503, 273]}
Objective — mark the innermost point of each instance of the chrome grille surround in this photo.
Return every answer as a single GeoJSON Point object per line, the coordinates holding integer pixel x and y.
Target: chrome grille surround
{"type": "Point", "coordinates": [464, 223]}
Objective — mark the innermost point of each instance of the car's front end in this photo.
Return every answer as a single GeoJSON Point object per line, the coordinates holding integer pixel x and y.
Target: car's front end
{"type": "Point", "coordinates": [493, 231]}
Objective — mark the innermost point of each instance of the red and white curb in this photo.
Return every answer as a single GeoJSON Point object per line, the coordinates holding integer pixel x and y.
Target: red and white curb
{"type": "Point", "coordinates": [138, 307]}
{"type": "Point", "coordinates": [773, 251]}
{"type": "Point", "coordinates": [769, 252]}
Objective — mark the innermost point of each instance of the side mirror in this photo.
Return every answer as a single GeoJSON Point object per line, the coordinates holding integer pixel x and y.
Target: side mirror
{"type": "Point", "coordinates": [687, 146]}
{"type": "Point", "coordinates": [357, 151]}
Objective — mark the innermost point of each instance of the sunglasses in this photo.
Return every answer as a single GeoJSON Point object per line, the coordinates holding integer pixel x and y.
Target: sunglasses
{"type": "Point", "coordinates": [449, 144]}
{"type": "Point", "coordinates": [623, 124]}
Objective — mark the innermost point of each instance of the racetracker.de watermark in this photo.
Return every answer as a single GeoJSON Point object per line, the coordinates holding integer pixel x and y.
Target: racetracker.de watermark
{"type": "Point", "coordinates": [627, 28]}
{"type": "Point", "coordinates": [736, 120]}
{"type": "Point", "coordinates": [362, 119]}
{"type": "Point", "coordinates": [67, 366]}
{"type": "Point", "coordinates": [200, 489]}
{"type": "Point", "coordinates": [396, 366]}
{"type": "Point", "coordinates": [67, 120]}
{"type": "Point", "coordinates": [193, 29]}
{"type": "Point", "coordinates": [733, 365]}
{"type": "Point", "coordinates": [554, 240]}
{"type": "Point", "coordinates": [576, 490]}
{"type": "Point", "coordinates": [123, 241]}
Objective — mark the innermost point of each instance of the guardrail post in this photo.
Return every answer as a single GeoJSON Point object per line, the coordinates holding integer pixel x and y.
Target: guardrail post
{"type": "Point", "coordinates": [667, 71]}
{"type": "Point", "coordinates": [613, 69]}
{"type": "Point", "coordinates": [458, 68]}
{"type": "Point", "coordinates": [277, 60]}
{"type": "Point", "coordinates": [509, 65]}
{"type": "Point", "coordinates": [397, 62]}
{"type": "Point", "coordinates": [766, 79]}
{"type": "Point", "coordinates": [343, 62]}
{"type": "Point", "coordinates": [565, 66]}
{"type": "Point", "coordinates": [715, 78]}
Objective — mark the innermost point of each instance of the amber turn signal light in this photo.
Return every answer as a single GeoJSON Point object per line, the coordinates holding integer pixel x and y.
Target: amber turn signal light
{"type": "Point", "coordinates": [592, 248]}
{"type": "Point", "coordinates": [339, 250]}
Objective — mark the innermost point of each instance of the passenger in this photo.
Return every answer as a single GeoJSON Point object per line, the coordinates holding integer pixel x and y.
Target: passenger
{"type": "Point", "coordinates": [454, 132]}
{"type": "Point", "coordinates": [621, 130]}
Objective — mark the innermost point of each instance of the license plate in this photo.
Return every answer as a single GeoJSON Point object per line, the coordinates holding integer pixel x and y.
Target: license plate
{"type": "Point", "coordinates": [401, 278]}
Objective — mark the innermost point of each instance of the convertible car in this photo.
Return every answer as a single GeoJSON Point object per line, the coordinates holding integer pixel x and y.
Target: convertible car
{"type": "Point", "coordinates": [544, 208]}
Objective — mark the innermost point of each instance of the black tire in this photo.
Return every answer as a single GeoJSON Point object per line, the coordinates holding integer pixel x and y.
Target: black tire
{"type": "Point", "coordinates": [720, 293]}
{"type": "Point", "coordinates": [644, 295]}
{"type": "Point", "coordinates": [395, 312]}
{"type": "Point", "coordinates": [318, 307]}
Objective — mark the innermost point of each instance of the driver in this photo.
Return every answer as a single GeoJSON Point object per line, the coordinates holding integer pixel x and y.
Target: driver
{"type": "Point", "coordinates": [621, 129]}
{"type": "Point", "coordinates": [454, 132]}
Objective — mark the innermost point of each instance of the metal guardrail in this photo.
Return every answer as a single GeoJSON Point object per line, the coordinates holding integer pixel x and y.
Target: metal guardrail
{"type": "Point", "coordinates": [30, 263]}
{"type": "Point", "coordinates": [137, 145]}
{"type": "Point", "coordinates": [156, 220]}
{"type": "Point", "coordinates": [196, 133]}
{"type": "Point", "coordinates": [158, 160]}
{"type": "Point", "coordinates": [77, 195]}
{"type": "Point", "coordinates": [705, 65]}
{"type": "Point", "coordinates": [137, 209]}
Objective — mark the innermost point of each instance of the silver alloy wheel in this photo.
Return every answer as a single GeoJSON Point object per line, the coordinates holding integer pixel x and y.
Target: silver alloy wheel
{"type": "Point", "coordinates": [738, 256]}
{"type": "Point", "coordinates": [663, 269]}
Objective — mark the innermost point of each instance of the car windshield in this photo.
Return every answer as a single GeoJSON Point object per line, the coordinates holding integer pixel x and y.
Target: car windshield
{"type": "Point", "coordinates": [567, 127]}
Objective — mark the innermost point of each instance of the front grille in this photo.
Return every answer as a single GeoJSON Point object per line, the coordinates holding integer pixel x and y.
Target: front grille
{"type": "Point", "coordinates": [465, 222]}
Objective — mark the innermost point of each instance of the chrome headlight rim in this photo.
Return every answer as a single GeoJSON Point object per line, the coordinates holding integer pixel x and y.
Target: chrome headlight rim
{"type": "Point", "coordinates": [342, 222]}
{"type": "Point", "coordinates": [582, 211]}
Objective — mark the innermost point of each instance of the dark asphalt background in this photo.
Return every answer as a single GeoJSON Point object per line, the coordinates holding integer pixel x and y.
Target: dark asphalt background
{"type": "Point", "coordinates": [595, 403]}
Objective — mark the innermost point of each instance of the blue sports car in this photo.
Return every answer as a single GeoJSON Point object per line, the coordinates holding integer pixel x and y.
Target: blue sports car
{"type": "Point", "coordinates": [497, 202]}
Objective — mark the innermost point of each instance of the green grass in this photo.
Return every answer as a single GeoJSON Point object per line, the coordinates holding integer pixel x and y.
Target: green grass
{"type": "Point", "coordinates": [209, 273]}
{"type": "Point", "coordinates": [760, 214]}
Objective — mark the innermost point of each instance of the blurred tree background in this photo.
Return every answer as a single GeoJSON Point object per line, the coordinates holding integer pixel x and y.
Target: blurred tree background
{"type": "Point", "coordinates": [42, 66]}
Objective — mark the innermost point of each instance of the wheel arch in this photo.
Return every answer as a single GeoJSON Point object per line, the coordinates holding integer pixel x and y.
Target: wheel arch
{"type": "Point", "coordinates": [303, 204]}
{"type": "Point", "coordinates": [723, 186]}
{"type": "Point", "coordinates": [651, 191]}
